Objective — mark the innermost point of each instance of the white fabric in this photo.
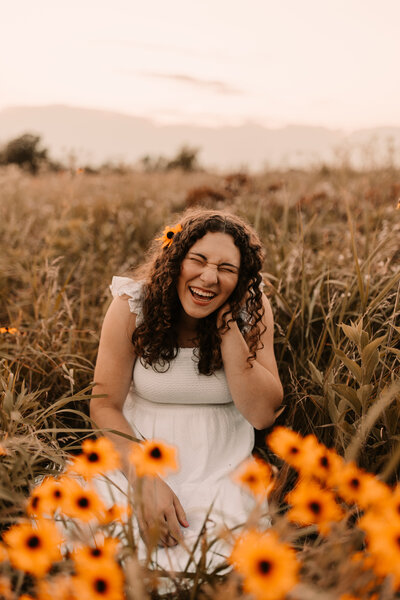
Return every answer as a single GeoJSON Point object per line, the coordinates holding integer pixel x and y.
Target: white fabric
{"type": "Point", "coordinates": [195, 413]}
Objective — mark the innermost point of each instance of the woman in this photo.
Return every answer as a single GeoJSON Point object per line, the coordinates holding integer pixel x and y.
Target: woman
{"type": "Point", "coordinates": [186, 355]}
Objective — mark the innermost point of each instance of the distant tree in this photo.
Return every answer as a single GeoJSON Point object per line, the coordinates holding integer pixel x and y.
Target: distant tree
{"type": "Point", "coordinates": [24, 151]}
{"type": "Point", "coordinates": [185, 159]}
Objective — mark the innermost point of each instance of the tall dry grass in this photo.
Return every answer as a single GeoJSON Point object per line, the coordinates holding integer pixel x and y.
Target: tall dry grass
{"type": "Point", "coordinates": [332, 271]}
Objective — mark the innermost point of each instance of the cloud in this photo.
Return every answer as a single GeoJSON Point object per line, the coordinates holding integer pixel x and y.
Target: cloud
{"type": "Point", "coordinates": [214, 85]}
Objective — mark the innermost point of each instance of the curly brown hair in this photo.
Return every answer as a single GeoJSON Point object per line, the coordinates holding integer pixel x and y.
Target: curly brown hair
{"type": "Point", "coordinates": [155, 339]}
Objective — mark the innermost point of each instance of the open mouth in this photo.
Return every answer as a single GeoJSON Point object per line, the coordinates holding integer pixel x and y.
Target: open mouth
{"type": "Point", "coordinates": [202, 295]}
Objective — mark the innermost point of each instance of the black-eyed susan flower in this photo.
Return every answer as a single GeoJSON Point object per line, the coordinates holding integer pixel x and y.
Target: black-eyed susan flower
{"type": "Point", "coordinates": [94, 557]}
{"type": "Point", "coordinates": [288, 445]}
{"type": "Point", "coordinates": [97, 457]}
{"type": "Point", "coordinates": [383, 539]}
{"type": "Point", "coordinates": [312, 504]}
{"type": "Point", "coordinates": [59, 587]}
{"type": "Point", "coordinates": [34, 547]}
{"type": "Point", "coordinates": [255, 475]}
{"type": "Point", "coordinates": [46, 497]}
{"type": "Point", "coordinates": [116, 512]}
{"type": "Point", "coordinates": [358, 487]}
{"type": "Point", "coordinates": [5, 588]}
{"type": "Point", "coordinates": [168, 234]}
{"type": "Point", "coordinates": [81, 502]}
{"type": "Point", "coordinates": [106, 583]}
{"type": "Point", "coordinates": [10, 330]}
{"type": "Point", "coordinates": [268, 566]}
{"type": "Point", "coordinates": [152, 458]}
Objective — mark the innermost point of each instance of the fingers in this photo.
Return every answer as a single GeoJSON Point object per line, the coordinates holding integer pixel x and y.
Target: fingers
{"type": "Point", "coordinates": [173, 524]}
{"type": "Point", "coordinates": [180, 513]}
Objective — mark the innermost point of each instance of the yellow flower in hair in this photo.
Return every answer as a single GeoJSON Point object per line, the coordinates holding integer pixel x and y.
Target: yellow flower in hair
{"type": "Point", "coordinates": [168, 235]}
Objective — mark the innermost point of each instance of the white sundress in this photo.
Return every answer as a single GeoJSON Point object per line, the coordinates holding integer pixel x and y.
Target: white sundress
{"type": "Point", "coordinates": [197, 415]}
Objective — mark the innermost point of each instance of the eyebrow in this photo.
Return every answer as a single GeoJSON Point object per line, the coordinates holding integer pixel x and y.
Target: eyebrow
{"type": "Point", "coordinates": [220, 264]}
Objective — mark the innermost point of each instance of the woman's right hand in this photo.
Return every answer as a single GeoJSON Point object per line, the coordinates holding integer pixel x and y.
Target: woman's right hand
{"type": "Point", "coordinates": [159, 512]}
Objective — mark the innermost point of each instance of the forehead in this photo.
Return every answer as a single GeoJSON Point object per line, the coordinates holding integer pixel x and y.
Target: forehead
{"type": "Point", "coordinates": [217, 247]}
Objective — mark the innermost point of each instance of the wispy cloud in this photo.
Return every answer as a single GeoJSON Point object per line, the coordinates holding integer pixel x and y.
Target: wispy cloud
{"type": "Point", "coordinates": [220, 87]}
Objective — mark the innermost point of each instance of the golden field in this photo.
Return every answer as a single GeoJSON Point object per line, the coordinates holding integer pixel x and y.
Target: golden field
{"type": "Point", "coordinates": [332, 270]}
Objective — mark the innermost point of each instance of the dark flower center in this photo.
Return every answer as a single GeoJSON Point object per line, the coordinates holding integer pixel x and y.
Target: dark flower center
{"type": "Point", "coordinates": [57, 494]}
{"type": "Point", "coordinates": [355, 483]}
{"type": "Point", "coordinates": [170, 235]}
{"type": "Point", "coordinates": [264, 566]}
{"type": "Point", "coordinates": [324, 462]}
{"type": "Point", "coordinates": [93, 457]}
{"type": "Point", "coordinates": [156, 452]}
{"type": "Point", "coordinates": [251, 479]}
{"type": "Point", "coordinates": [294, 450]}
{"type": "Point", "coordinates": [100, 585]}
{"type": "Point", "coordinates": [35, 501]}
{"type": "Point", "coordinates": [96, 552]}
{"type": "Point", "coordinates": [33, 542]}
{"type": "Point", "coordinates": [315, 507]}
{"type": "Point", "coordinates": [83, 502]}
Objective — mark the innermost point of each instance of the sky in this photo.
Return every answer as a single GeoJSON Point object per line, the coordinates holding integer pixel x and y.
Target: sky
{"type": "Point", "coordinates": [332, 63]}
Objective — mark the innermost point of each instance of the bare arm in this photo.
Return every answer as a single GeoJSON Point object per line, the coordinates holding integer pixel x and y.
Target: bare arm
{"type": "Point", "coordinates": [257, 390]}
{"type": "Point", "coordinates": [161, 510]}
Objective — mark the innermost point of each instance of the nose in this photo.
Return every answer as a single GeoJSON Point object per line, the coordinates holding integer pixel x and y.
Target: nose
{"type": "Point", "coordinates": [209, 275]}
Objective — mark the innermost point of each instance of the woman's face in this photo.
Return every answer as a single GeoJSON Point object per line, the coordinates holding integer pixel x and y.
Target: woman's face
{"type": "Point", "coordinates": [209, 274]}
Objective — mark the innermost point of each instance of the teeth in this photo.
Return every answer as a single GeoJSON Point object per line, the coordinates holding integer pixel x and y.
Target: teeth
{"type": "Point", "coordinates": [203, 294]}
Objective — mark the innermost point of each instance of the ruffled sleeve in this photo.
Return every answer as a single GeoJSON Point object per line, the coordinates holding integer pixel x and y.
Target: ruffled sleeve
{"type": "Point", "coordinates": [134, 289]}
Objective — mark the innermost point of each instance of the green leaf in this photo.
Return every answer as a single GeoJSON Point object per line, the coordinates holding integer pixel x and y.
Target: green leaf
{"type": "Point", "coordinates": [350, 364]}
{"type": "Point", "coordinates": [350, 394]}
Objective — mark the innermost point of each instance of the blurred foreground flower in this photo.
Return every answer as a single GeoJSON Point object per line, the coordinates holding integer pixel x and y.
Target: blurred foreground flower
{"type": "Point", "coordinates": [96, 557]}
{"type": "Point", "coordinates": [106, 583]}
{"type": "Point", "coordinates": [46, 497]}
{"type": "Point", "coordinates": [268, 566]}
{"type": "Point", "coordinates": [97, 457]}
{"type": "Point", "coordinates": [81, 502]}
{"type": "Point", "coordinates": [34, 548]}
{"type": "Point", "coordinates": [153, 458]}
{"type": "Point", "coordinates": [312, 504]}
{"type": "Point", "coordinates": [255, 475]}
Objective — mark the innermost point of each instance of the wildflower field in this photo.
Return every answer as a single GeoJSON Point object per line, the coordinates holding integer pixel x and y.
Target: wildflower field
{"type": "Point", "coordinates": [329, 468]}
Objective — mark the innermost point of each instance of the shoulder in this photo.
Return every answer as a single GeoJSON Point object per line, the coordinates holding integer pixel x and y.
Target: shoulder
{"type": "Point", "coordinates": [130, 290]}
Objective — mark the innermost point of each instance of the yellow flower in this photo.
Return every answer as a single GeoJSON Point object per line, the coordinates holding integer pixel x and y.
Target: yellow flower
{"type": "Point", "coordinates": [268, 566]}
{"type": "Point", "coordinates": [3, 451]}
{"type": "Point", "coordinates": [152, 458]}
{"type": "Point", "coordinates": [59, 587]}
{"type": "Point", "coordinates": [10, 330]}
{"type": "Point", "coordinates": [383, 538]}
{"type": "Point", "coordinates": [356, 486]}
{"type": "Point", "coordinates": [98, 456]}
{"type": "Point", "coordinates": [5, 588]}
{"type": "Point", "coordinates": [312, 504]}
{"type": "Point", "coordinates": [106, 583]}
{"type": "Point", "coordinates": [33, 548]}
{"type": "Point", "coordinates": [288, 445]}
{"type": "Point", "coordinates": [116, 512]}
{"type": "Point", "coordinates": [46, 497]}
{"type": "Point", "coordinates": [255, 475]}
{"type": "Point", "coordinates": [81, 503]}
{"type": "Point", "coordinates": [102, 554]}
{"type": "Point", "coordinates": [168, 235]}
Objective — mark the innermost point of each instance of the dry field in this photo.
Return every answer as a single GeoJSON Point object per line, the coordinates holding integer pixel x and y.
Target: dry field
{"type": "Point", "coordinates": [332, 258]}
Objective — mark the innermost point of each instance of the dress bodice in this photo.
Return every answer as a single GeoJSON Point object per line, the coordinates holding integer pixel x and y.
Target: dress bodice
{"type": "Point", "coordinates": [181, 383]}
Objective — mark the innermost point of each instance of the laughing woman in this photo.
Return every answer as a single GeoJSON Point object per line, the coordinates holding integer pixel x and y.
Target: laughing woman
{"type": "Point", "coordinates": [186, 356]}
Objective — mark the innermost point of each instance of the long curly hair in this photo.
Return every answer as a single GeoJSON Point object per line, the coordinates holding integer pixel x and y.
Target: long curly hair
{"type": "Point", "coordinates": [155, 339]}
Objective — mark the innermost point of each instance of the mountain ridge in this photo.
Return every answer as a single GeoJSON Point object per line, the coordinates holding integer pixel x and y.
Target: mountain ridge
{"type": "Point", "coordinates": [96, 136]}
